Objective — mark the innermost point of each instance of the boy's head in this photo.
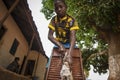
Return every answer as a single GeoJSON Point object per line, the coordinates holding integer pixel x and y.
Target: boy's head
{"type": "Point", "coordinates": [60, 7]}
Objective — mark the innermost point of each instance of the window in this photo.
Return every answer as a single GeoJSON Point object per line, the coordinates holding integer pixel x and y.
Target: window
{"type": "Point", "coordinates": [2, 32]}
{"type": "Point", "coordinates": [14, 47]}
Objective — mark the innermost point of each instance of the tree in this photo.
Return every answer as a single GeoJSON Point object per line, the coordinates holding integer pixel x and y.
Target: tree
{"type": "Point", "coordinates": [99, 34]}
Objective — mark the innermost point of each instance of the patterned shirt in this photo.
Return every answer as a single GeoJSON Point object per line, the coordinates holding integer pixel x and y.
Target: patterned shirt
{"type": "Point", "coordinates": [62, 27]}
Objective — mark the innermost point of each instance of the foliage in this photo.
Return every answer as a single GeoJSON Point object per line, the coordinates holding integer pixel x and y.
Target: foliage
{"type": "Point", "coordinates": [48, 8]}
{"type": "Point", "coordinates": [91, 15]}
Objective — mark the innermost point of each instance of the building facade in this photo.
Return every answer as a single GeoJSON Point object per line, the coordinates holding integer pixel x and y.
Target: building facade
{"type": "Point", "coordinates": [19, 38]}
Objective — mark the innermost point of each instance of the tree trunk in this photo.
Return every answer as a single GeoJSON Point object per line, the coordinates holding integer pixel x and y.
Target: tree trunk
{"type": "Point", "coordinates": [114, 56]}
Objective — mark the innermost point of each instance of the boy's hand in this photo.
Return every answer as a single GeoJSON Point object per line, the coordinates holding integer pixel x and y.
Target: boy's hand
{"type": "Point", "coordinates": [67, 58]}
{"type": "Point", "coordinates": [62, 49]}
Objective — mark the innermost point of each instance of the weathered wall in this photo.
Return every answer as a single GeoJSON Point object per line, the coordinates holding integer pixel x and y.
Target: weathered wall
{"type": "Point", "coordinates": [7, 75]}
{"type": "Point", "coordinates": [13, 32]}
{"type": "Point", "coordinates": [40, 65]}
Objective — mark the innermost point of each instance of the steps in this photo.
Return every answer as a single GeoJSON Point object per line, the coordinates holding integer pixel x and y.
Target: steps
{"type": "Point", "coordinates": [53, 72]}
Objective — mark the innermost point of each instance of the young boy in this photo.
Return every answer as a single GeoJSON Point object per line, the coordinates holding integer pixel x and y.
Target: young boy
{"type": "Point", "coordinates": [64, 27]}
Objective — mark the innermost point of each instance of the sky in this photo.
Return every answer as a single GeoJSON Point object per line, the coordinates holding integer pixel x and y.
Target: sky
{"type": "Point", "coordinates": [42, 26]}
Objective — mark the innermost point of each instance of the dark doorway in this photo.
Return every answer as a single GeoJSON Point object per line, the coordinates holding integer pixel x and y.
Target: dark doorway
{"type": "Point", "coordinates": [30, 67]}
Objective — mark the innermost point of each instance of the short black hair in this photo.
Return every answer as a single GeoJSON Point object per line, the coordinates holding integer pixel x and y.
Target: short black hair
{"type": "Point", "coordinates": [63, 1]}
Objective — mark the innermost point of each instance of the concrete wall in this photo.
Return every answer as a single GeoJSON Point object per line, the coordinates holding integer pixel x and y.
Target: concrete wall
{"type": "Point", "coordinates": [41, 68]}
{"type": "Point", "coordinates": [40, 65]}
{"type": "Point", "coordinates": [7, 75]}
{"type": "Point", "coordinates": [13, 32]}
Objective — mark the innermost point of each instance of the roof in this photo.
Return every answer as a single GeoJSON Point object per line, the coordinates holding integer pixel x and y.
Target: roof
{"type": "Point", "coordinates": [23, 17]}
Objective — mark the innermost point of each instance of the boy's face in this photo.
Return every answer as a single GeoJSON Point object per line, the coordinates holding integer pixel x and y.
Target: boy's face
{"type": "Point", "coordinates": [60, 9]}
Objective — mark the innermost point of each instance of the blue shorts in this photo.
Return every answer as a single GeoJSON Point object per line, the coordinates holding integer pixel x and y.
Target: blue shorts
{"type": "Point", "coordinates": [66, 45]}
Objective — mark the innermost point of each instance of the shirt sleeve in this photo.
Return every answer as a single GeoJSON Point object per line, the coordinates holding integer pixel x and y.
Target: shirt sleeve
{"type": "Point", "coordinates": [74, 26]}
{"type": "Point", "coordinates": [52, 25]}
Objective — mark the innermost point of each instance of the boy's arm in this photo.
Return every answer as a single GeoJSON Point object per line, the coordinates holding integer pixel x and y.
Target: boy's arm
{"type": "Point", "coordinates": [72, 40]}
{"type": "Point", "coordinates": [72, 44]}
{"type": "Point", "coordinates": [73, 30]}
{"type": "Point", "coordinates": [53, 40]}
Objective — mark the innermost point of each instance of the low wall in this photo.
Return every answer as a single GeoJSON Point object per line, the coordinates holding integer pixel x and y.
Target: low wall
{"type": "Point", "coordinates": [8, 75]}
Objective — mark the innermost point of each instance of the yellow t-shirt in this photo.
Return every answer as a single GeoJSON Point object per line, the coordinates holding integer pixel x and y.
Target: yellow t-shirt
{"type": "Point", "coordinates": [62, 27]}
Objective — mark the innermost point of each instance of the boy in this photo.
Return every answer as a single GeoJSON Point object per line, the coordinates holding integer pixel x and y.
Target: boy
{"type": "Point", "coordinates": [65, 28]}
